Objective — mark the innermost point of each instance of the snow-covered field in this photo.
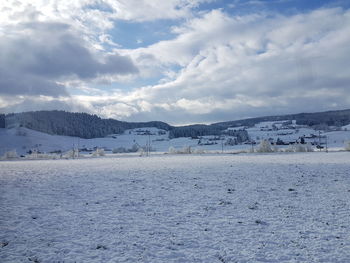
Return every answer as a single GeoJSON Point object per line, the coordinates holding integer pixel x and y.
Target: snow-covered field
{"type": "Point", "coordinates": [286, 207]}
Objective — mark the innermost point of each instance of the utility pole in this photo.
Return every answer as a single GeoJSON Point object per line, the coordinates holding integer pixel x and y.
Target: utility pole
{"type": "Point", "coordinates": [149, 145]}
{"type": "Point", "coordinates": [319, 139]}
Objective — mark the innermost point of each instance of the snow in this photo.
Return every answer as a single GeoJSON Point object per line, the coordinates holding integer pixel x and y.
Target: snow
{"type": "Point", "coordinates": [338, 138]}
{"type": "Point", "coordinates": [346, 127]}
{"type": "Point", "coordinates": [22, 140]}
{"type": "Point", "coordinates": [290, 207]}
{"type": "Point", "coordinates": [286, 135]}
{"type": "Point", "coordinates": [236, 128]}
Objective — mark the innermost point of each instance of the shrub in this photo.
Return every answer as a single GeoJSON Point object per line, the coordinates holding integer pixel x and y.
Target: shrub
{"type": "Point", "coordinates": [119, 150]}
{"type": "Point", "coordinates": [98, 152]}
{"type": "Point", "coordinates": [347, 146]}
{"type": "Point", "coordinates": [71, 154]}
{"type": "Point", "coordinates": [198, 151]}
{"type": "Point", "coordinates": [9, 155]}
{"type": "Point", "coordinates": [35, 155]}
{"type": "Point", "coordinates": [308, 147]}
{"type": "Point", "coordinates": [264, 147]}
{"type": "Point", "coordinates": [300, 148]}
{"type": "Point", "coordinates": [134, 148]}
{"type": "Point", "coordinates": [186, 150]}
{"type": "Point", "coordinates": [183, 150]}
{"type": "Point", "coordinates": [171, 150]}
{"type": "Point", "coordinates": [141, 151]}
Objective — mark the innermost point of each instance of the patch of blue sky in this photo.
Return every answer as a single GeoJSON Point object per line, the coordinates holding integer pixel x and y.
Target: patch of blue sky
{"type": "Point", "coordinates": [135, 35]}
{"type": "Point", "coordinates": [131, 35]}
{"type": "Point", "coordinates": [217, 4]}
{"type": "Point", "coordinates": [241, 7]}
{"type": "Point", "coordinates": [101, 6]}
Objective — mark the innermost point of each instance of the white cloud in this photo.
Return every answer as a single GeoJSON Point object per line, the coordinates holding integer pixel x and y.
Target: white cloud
{"type": "Point", "coordinates": [218, 66]}
{"type": "Point", "coordinates": [95, 14]}
{"type": "Point", "coordinates": [255, 61]}
{"type": "Point", "coordinates": [136, 10]}
{"type": "Point", "coordinates": [36, 57]}
{"type": "Point", "coordinates": [46, 44]}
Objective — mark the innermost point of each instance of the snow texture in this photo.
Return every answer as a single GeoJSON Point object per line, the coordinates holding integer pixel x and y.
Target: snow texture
{"type": "Point", "coordinates": [290, 207]}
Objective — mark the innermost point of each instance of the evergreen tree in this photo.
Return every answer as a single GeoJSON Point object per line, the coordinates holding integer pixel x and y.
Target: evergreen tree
{"type": "Point", "coordinates": [2, 120]}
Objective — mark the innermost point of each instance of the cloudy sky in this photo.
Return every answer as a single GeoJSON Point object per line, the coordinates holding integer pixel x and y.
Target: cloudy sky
{"type": "Point", "coordinates": [179, 61]}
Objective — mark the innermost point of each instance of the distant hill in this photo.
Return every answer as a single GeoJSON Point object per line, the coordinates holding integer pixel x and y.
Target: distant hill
{"type": "Point", "coordinates": [330, 118]}
{"type": "Point", "coordinates": [91, 126]}
{"type": "Point", "coordinates": [81, 125]}
{"type": "Point", "coordinates": [319, 120]}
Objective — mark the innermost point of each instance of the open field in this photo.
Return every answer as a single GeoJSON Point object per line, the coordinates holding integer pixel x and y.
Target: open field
{"type": "Point", "coordinates": [290, 207]}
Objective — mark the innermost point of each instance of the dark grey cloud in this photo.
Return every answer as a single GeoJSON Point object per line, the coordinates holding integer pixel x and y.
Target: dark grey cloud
{"type": "Point", "coordinates": [21, 83]}
{"type": "Point", "coordinates": [36, 56]}
{"type": "Point", "coordinates": [294, 106]}
{"type": "Point", "coordinates": [33, 103]}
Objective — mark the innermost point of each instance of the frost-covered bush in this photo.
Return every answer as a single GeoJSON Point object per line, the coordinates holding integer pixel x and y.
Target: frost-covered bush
{"type": "Point", "coordinates": [183, 150]}
{"type": "Point", "coordinates": [198, 151]}
{"type": "Point", "coordinates": [275, 149]}
{"type": "Point", "coordinates": [172, 150]}
{"type": "Point", "coordinates": [300, 148]}
{"type": "Point", "coordinates": [119, 150]}
{"type": "Point", "coordinates": [34, 155]}
{"type": "Point", "coordinates": [308, 147]}
{"type": "Point", "coordinates": [71, 154]}
{"type": "Point", "coordinates": [264, 147]}
{"type": "Point", "coordinates": [9, 155]}
{"type": "Point", "coordinates": [141, 151]}
{"type": "Point", "coordinates": [98, 152]}
{"type": "Point", "coordinates": [347, 146]}
{"type": "Point", "coordinates": [68, 154]}
{"type": "Point", "coordinates": [135, 148]}
{"type": "Point", "coordinates": [290, 149]}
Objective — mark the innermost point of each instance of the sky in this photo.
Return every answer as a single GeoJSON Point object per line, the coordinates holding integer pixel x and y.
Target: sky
{"type": "Point", "coordinates": [178, 61]}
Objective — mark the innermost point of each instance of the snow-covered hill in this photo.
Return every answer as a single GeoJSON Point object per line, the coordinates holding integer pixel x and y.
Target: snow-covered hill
{"type": "Point", "coordinates": [346, 127]}
{"type": "Point", "coordinates": [24, 140]}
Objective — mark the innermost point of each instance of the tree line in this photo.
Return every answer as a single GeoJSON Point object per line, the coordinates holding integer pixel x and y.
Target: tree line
{"type": "Point", "coordinates": [81, 125]}
{"type": "Point", "coordinates": [87, 126]}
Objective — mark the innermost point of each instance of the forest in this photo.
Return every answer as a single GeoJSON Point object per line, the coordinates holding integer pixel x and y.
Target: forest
{"type": "Point", "coordinates": [85, 125]}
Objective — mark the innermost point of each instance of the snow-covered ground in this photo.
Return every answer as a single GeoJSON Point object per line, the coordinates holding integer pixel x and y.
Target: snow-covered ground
{"type": "Point", "coordinates": [346, 127]}
{"type": "Point", "coordinates": [286, 207]}
{"type": "Point", "coordinates": [23, 140]}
